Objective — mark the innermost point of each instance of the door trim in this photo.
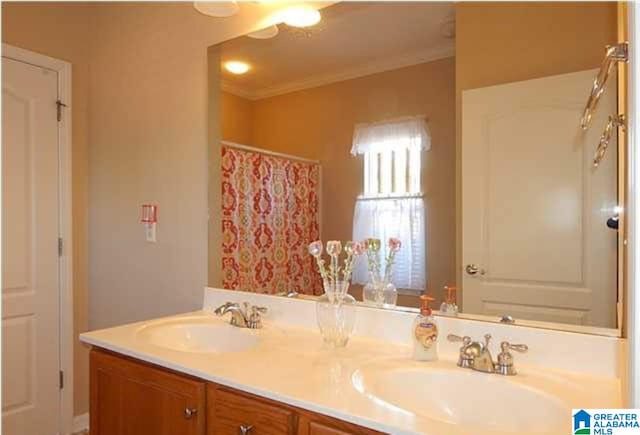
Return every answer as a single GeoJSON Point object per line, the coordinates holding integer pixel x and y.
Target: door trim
{"type": "Point", "coordinates": [65, 265]}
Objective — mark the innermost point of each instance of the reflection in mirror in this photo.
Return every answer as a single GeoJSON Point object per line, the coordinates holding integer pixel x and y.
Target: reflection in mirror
{"type": "Point", "coordinates": [444, 138]}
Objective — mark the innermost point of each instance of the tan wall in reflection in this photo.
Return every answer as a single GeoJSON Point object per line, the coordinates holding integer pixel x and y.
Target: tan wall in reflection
{"type": "Point", "coordinates": [507, 42]}
{"type": "Point", "coordinates": [318, 123]}
{"type": "Point", "coordinates": [236, 118]}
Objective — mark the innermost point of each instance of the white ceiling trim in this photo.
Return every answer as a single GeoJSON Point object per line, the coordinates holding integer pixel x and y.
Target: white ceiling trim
{"type": "Point", "coordinates": [429, 55]}
{"type": "Point", "coordinates": [230, 88]}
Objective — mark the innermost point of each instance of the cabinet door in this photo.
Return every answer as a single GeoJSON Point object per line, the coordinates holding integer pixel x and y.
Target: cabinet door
{"type": "Point", "coordinates": [134, 398]}
{"type": "Point", "coordinates": [316, 424]}
{"type": "Point", "coordinates": [230, 412]}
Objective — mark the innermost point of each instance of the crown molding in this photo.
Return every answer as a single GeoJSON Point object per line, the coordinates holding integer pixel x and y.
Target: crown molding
{"type": "Point", "coordinates": [236, 90]}
{"type": "Point", "coordinates": [416, 58]}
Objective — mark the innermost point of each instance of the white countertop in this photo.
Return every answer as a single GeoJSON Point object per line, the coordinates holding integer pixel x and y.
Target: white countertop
{"type": "Point", "coordinates": [290, 364]}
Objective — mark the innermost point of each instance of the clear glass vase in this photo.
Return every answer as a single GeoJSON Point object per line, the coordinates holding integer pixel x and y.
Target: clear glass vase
{"type": "Point", "coordinates": [380, 294]}
{"type": "Point", "coordinates": [336, 313]}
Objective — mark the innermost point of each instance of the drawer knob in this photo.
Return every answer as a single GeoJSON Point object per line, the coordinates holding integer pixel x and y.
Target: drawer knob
{"type": "Point", "coordinates": [244, 430]}
{"type": "Point", "coordinates": [190, 412]}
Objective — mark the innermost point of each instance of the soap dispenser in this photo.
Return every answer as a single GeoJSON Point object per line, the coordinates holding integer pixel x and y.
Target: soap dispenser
{"type": "Point", "coordinates": [425, 333]}
{"type": "Point", "coordinates": [449, 307]}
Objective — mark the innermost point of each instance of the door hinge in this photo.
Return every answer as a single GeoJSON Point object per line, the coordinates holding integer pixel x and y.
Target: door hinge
{"type": "Point", "coordinates": [59, 106]}
{"type": "Point", "coordinates": [59, 246]}
{"type": "Point", "coordinates": [61, 379]}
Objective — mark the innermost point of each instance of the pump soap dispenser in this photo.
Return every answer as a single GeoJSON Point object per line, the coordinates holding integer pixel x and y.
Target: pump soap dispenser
{"type": "Point", "coordinates": [449, 307]}
{"type": "Point", "coordinates": [425, 333]}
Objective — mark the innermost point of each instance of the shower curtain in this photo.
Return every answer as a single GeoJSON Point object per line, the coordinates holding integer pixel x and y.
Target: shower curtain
{"type": "Point", "coordinates": [270, 213]}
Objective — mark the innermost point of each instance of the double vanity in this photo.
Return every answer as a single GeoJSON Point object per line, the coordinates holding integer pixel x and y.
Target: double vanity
{"type": "Point", "coordinates": [198, 374]}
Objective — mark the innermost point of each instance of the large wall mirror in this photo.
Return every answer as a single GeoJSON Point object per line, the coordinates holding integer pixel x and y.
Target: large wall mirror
{"type": "Point", "coordinates": [453, 128]}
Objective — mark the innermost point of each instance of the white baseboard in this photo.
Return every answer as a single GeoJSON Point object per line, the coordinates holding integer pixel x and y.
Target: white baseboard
{"type": "Point", "coordinates": [81, 422]}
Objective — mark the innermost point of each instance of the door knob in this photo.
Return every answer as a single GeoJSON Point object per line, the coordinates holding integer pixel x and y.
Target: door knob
{"type": "Point", "coordinates": [244, 430]}
{"type": "Point", "coordinates": [190, 412]}
{"type": "Point", "coordinates": [473, 269]}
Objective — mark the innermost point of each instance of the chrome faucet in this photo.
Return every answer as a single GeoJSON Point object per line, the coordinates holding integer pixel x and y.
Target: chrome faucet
{"type": "Point", "coordinates": [245, 316]}
{"type": "Point", "coordinates": [477, 356]}
{"type": "Point", "coordinates": [288, 294]}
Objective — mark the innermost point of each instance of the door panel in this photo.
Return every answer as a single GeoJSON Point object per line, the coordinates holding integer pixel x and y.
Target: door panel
{"type": "Point", "coordinates": [30, 292]}
{"type": "Point", "coordinates": [133, 398]}
{"type": "Point", "coordinates": [534, 209]}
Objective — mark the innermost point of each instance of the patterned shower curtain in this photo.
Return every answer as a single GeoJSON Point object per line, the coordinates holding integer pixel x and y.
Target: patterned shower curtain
{"type": "Point", "coordinates": [269, 215]}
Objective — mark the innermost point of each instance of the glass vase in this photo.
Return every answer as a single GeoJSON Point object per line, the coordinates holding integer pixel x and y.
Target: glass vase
{"type": "Point", "coordinates": [380, 294]}
{"type": "Point", "coordinates": [336, 313]}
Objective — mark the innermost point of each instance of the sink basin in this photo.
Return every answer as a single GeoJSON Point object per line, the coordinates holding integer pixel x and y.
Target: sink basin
{"type": "Point", "coordinates": [463, 397]}
{"type": "Point", "coordinates": [199, 335]}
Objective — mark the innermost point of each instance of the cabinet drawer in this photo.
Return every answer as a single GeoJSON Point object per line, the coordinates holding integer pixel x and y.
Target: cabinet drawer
{"type": "Point", "coordinates": [228, 411]}
{"type": "Point", "coordinates": [315, 424]}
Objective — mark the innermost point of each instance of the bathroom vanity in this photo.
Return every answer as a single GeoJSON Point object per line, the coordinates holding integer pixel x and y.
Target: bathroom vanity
{"type": "Point", "coordinates": [149, 399]}
{"type": "Point", "coordinates": [196, 373]}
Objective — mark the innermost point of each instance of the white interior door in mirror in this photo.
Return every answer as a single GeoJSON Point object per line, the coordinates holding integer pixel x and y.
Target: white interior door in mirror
{"type": "Point", "coordinates": [30, 296]}
{"type": "Point", "coordinates": [534, 209]}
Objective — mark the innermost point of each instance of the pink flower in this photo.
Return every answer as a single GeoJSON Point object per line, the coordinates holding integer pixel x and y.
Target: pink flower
{"type": "Point", "coordinates": [334, 247]}
{"type": "Point", "coordinates": [372, 244]}
{"type": "Point", "coordinates": [394, 244]}
{"type": "Point", "coordinates": [356, 248]}
{"type": "Point", "coordinates": [315, 248]}
{"type": "Point", "coordinates": [348, 247]}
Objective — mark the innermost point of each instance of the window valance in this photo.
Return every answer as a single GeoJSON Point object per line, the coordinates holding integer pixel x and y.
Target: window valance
{"type": "Point", "coordinates": [407, 132]}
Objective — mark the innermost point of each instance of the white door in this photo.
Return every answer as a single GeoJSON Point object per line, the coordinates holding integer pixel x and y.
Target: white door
{"type": "Point", "coordinates": [30, 291]}
{"type": "Point", "coordinates": [534, 210]}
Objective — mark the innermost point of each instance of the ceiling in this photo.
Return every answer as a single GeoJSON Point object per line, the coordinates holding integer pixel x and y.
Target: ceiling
{"type": "Point", "coordinates": [352, 40]}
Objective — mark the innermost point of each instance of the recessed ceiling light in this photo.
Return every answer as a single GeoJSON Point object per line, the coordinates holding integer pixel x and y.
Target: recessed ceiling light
{"type": "Point", "coordinates": [236, 67]}
{"type": "Point", "coordinates": [300, 16]}
{"type": "Point", "coordinates": [217, 9]}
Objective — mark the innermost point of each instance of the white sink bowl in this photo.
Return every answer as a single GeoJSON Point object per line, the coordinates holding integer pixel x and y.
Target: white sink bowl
{"type": "Point", "coordinates": [198, 335]}
{"type": "Point", "coordinates": [484, 402]}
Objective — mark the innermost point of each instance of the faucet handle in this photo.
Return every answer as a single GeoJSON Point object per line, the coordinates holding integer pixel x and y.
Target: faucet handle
{"type": "Point", "coordinates": [255, 318]}
{"type": "Point", "coordinates": [464, 360]}
{"type": "Point", "coordinates": [220, 310]}
{"type": "Point", "coordinates": [506, 346]}
{"type": "Point", "coordinates": [505, 366]}
{"type": "Point", "coordinates": [456, 338]}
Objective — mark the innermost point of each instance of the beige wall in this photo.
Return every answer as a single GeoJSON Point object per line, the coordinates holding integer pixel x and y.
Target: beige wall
{"type": "Point", "coordinates": [506, 42]}
{"type": "Point", "coordinates": [318, 123]}
{"type": "Point", "coordinates": [149, 143]}
{"type": "Point", "coordinates": [62, 32]}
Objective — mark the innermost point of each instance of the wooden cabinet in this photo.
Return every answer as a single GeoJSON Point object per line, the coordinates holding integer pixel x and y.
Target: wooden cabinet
{"type": "Point", "coordinates": [131, 397]}
{"type": "Point", "coordinates": [316, 424]}
{"type": "Point", "coordinates": [230, 412]}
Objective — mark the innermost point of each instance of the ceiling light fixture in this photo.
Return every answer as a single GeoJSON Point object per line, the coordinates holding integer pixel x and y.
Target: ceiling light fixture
{"type": "Point", "coordinates": [236, 67]}
{"type": "Point", "coordinates": [219, 9]}
{"type": "Point", "coordinates": [300, 16]}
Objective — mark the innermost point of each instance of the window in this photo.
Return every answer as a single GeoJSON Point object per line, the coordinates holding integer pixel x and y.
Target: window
{"type": "Point", "coordinates": [391, 204]}
{"type": "Point", "coordinates": [394, 171]}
